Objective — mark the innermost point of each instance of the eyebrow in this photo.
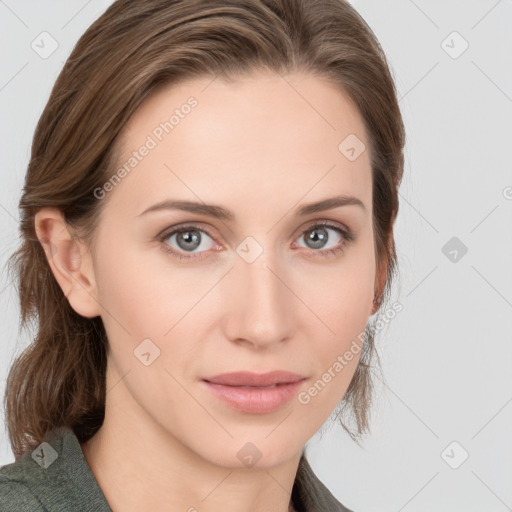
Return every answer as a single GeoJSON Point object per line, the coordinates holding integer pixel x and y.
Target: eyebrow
{"type": "Point", "coordinates": [222, 213]}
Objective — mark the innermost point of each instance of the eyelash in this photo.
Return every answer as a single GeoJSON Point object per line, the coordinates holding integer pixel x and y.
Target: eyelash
{"type": "Point", "coordinates": [347, 235]}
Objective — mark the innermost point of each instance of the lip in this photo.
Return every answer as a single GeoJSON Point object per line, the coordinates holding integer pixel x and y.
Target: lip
{"type": "Point", "coordinates": [255, 393]}
{"type": "Point", "coordinates": [255, 379]}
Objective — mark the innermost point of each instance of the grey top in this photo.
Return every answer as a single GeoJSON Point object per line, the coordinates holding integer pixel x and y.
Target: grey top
{"type": "Point", "coordinates": [55, 477]}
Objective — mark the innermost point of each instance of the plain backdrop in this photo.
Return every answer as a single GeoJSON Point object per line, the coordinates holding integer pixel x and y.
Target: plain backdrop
{"type": "Point", "coordinates": [441, 428]}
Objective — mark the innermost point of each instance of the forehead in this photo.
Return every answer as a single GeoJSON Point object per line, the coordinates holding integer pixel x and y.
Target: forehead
{"type": "Point", "coordinates": [262, 137]}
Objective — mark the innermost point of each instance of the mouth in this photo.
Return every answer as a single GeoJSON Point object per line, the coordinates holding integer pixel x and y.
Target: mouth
{"type": "Point", "coordinates": [240, 391]}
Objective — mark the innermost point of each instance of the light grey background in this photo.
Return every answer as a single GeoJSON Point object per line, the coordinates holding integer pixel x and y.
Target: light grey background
{"type": "Point", "coordinates": [447, 357]}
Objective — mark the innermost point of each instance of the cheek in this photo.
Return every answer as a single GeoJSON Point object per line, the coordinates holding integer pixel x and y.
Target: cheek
{"type": "Point", "coordinates": [131, 281]}
{"type": "Point", "coordinates": [342, 299]}
{"type": "Point", "coordinates": [145, 317]}
{"type": "Point", "coordinates": [342, 293]}
{"type": "Point", "coordinates": [145, 295]}
{"type": "Point", "coordinates": [131, 298]}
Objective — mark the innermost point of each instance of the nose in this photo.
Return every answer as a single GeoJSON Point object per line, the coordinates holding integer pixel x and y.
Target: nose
{"type": "Point", "coordinates": [261, 306]}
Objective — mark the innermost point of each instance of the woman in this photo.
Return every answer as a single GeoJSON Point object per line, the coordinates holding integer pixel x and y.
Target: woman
{"type": "Point", "coordinates": [207, 225]}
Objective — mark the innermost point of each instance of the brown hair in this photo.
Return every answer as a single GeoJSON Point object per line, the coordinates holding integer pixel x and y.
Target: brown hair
{"type": "Point", "coordinates": [135, 47]}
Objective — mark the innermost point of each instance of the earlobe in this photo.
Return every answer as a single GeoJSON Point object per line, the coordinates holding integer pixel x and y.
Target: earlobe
{"type": "Point", "coordinates": [69, 260]}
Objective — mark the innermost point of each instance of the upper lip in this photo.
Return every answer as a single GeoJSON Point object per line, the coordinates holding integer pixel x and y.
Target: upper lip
{"type": "Point", "coordinates": [255, 379]}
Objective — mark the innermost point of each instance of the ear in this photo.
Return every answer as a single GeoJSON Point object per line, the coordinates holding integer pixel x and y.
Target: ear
{"type": "Point", "coordinates": [69, 260]}
{"type": "Point", "coordinates": [380, 282]}
{"type": "Point", "coordinates": [382, 272]}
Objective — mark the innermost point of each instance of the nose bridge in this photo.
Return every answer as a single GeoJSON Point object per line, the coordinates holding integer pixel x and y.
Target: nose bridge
{"type": "Point", "coordinates": [262, 302]}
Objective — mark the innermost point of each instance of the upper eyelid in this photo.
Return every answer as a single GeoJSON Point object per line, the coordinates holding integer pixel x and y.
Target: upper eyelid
{"type": "Point", "coordinates": [167, 232]}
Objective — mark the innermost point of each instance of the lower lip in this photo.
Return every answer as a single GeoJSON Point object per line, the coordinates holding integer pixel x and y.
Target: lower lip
{"type": "Point", "coordinates": [255, 400]}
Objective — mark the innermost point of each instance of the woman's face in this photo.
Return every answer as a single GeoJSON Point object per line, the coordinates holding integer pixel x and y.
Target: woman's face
{"type": "Point", "coordinates": [258, 289]}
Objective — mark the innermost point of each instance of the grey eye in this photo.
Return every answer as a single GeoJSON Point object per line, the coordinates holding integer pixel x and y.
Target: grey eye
{"type": "Point", "coordinates": [190, 239]}
{"type": "Point", "coordinates": [317, 236]}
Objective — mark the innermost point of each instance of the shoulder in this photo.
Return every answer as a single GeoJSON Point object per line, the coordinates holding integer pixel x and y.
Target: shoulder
{"type": "Point", "coordinates": [311, 493]}
{"type": "Point", "coordinates": [16, 496]}
{"type": "Point", "coordinates": [52, 477]}
{"type": "Point", "coordinates": [24, 484]}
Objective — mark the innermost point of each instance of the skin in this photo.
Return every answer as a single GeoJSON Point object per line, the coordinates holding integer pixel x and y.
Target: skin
{"type": "Point", "coordinates": [260, 147]}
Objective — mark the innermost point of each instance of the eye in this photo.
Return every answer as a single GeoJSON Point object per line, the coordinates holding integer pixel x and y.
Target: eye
{"type": "Point", "coordinates": [191, 241]}
{"type": "Point", "coordinates": [317, 237]}
{"type": "Point", "coordinates": [188, 239]}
